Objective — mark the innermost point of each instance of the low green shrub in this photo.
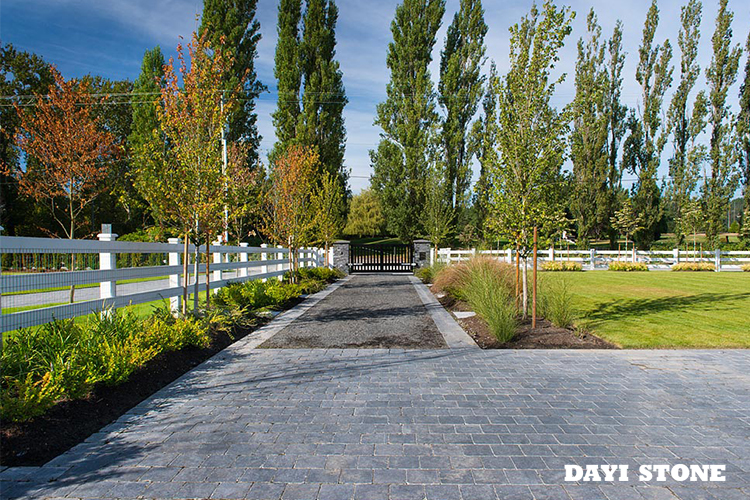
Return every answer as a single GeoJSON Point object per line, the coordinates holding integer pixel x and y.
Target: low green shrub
{"type": "Point", "coordinates": [556, 300]}
{"type": "Point", "coordinates": [427, 273]}
{"type": "Point", "coordinates": [625, 266]}
{"type": "Point", "coordinates": [694, 266]}
{"type": "Point", "coordinates": [562, 265]}
{"type": "Point", "coordinates": [326, 274]}
{"type": "Point", "coordinates": [64, 359]}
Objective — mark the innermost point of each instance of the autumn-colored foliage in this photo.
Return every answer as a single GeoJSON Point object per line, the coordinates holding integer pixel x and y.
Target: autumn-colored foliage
{"type": "Point", "coordinates": [70, 151]}
{"type": "Point", "coordinates": [288, 215]}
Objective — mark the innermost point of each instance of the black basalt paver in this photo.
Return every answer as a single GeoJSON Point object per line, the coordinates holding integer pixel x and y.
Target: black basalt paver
{"type": "Point", "coordinates": [368, 311]}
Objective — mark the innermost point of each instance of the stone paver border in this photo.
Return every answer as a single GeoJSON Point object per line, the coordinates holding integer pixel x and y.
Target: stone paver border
{"type": "Point", "coordinates": [455, 336]}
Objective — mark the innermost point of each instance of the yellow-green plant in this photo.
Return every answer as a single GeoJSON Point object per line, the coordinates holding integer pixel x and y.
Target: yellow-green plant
{"type": "Point", "coordinates": [694, 266]}
{"type": "Point", "coordinates": [619, 265]}
{"type": "Point", "coordinates": [562, 265]}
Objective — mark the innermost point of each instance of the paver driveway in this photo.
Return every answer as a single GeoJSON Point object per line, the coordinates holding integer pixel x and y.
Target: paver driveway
{"type": "Point", "coordinates": [402, 424]}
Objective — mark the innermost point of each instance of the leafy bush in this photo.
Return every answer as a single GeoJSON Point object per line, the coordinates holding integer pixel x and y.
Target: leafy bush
{"type": "Point", "coordinates": [488, 286]}
{"type": "Point", "coordinates": [64, 359]}
{"type": "Point", "coordinates": [694, 266]}
{"type": "Point", "coordinates": [562, 265]}
{"type": "Point", "coordinates": [555, 301]}
{"type": "Point", "coordinates": [427, 273]}
{"type": "Point", "coordinates": [745, 267]}
{"type": "Point", "coordinates": [326, 274]}
{"type": "Point", "coordinates": [619, 265]}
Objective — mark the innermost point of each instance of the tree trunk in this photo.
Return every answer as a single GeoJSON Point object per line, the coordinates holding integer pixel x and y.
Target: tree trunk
{"type": "Point", "coordinates": [72, 235]}
{"type": "Point", "coordinates": [525, 300]}
{"type": "Point", "coordinates": [196, 291]}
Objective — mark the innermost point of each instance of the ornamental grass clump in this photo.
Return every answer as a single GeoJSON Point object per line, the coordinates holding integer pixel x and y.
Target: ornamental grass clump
{"type": "Point", "coordinates": [556, 300]}
{"type": "Point", "coordinates": [745, 268]}
{"type": "Point", "coordinates": [488, 286]}
{"type": "Point", "coordinates": [694, 266]}
{"type": "Point", "coordinates": [427, 273]}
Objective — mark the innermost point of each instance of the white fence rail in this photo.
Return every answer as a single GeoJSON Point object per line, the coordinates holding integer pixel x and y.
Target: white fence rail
{"type": "Point", "coordinates": [600, 259]}
{"type": "Point", "coordinates": [34, 287]}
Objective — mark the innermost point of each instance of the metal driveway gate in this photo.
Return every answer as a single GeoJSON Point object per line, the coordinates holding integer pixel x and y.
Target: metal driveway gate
{"type": "Point", "coordinates": [381, 258]}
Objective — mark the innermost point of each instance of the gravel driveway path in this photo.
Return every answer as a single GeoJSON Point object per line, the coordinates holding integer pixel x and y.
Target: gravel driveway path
{"type": "Point", "coordinates": [368, 311]}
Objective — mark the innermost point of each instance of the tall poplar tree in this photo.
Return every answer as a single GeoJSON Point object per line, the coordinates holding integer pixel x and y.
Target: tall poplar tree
{"type": "Point", "coordinates": [643, 147]}
{"type": "Point", "coordinates": [743, 131]}
{"type": "Point", "coordinates": [720, 183]}
{"type": "Point", "coordinates": [617, 113]}
{"type": "Point", "coordinates": [531, 133]}
{"type": "Point", "coordinates": [321, 121]}
{"type": "Point", "coordinates": [685, 125]}
{"type": "Point", "coordinates": [483, 141]}
{"type": "Point", "coordinates": [460, 91]}
{"type": "Point", "coordinates": [588, 142]}
{"type": "Point", "coordinates": [234, 20]}
{"type": "Point", "coordinates": [288, 74]}
{"type": "Point", "coordinates": [407, 117]}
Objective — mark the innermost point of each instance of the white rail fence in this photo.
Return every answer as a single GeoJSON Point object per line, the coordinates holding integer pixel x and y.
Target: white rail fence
{"type": "Point", "coordinates": [34, 289]}
{"type": "Point", "coordinates": [662, 260]}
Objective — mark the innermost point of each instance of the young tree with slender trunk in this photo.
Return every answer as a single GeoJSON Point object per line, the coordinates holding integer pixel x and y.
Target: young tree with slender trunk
{"type": "Point", "coordinates": [327, 205]}
{"type": "Point", "coordinates": [438, 214]}
{"type": "Point", "coordinates": [531, 133]}
{"type": "Point", "coordinates": [643, 147]}
{"type": "Point", "coordinates": [459, 93]}
{"type": "Point", "coordinates": [72, 153]}
{"type": "Point", "coordinates": [588, 141]}
{"type": "Point", "coordinates": [407, 117]}
{"type": "Point", "coordinates": [720, 183]}
{"type": "Point", "coordinates": [684, 125]}
{"type": "Point", "coordinates": [194, 107]}
{"type": "Point", "coordinates": [288, 214]}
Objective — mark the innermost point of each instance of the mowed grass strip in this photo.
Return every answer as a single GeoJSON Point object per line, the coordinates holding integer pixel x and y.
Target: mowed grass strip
{"type": "Point", "coordinates": [664, 309]}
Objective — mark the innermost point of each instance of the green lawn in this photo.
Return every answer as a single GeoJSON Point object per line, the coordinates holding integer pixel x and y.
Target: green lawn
{"type": "Point", "coordinates": [664, 309]}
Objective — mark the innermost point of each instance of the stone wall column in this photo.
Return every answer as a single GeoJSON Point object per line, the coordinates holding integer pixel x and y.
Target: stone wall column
{"type": "Point", "coordinates": [421, 253]}
{"type": "Point", "coordinates": [341, 255]}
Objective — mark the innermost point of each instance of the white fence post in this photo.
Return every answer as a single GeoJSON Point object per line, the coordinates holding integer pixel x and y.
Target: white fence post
{"type": "Point", "coordinates": [107, 261]}
{"type": "Point", "coordinates": [448, 256]}
{"type": "Point", "coordinates": [175, 303]}
{"type": "Point", "coordinates": [676, 252]}
{"type": "Point", "coordinates": [264, 256]}
{"type": "Point", "coordinates": [243, 260]}
{"type": "Point", "coordinates": [592, 257]}
{"type": "Point", "coordinates": [717, 254]}
{"type": "Point", "coordinates": [552, 254]}
{"type": "Point", "coordinates": [508, 256]}
{"type": "Point", "coordinates": [280, 267]}
{"type": "Point", "coordinates": [217, 274]}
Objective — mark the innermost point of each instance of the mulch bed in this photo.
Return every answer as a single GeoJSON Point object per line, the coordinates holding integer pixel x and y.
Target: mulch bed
{"type": "Point", "coordinates": [544, 336]}
{"type": "Point", "coordinates": [68, 423]}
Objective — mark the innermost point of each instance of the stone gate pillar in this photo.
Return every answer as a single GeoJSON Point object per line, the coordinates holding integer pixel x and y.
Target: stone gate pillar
{"type": "Point", "coordinates": [421, 253]}
{"type": "Point", "coordinates": [341, 255]}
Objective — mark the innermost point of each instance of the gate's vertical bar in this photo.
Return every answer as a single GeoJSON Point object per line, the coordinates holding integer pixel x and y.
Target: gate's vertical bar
{"type": "Point", "coordinates": [107, 261]}
{"type": "Point", "coordinates": [175, 303]}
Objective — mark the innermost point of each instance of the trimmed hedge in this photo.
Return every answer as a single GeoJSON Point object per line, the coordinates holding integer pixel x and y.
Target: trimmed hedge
{"type": "Point", "coordinates": [562, 265]}
{"type": "Point", "coordinates": [694, 266]}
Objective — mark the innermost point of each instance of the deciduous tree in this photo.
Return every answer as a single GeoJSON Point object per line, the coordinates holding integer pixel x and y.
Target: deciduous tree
{"type": "Point", "coordinates": [743, 133]}
{"type": "Point", "coordinates": [719, 185]}
{"type": "Point", "coordinates": [685, 125]}
{"type": "Point", "coordinates": [328, 207]}
{"type": "Point", "coordinates": [365, 216]}
{"type": "Point", "coordinates": [459, 93]}
{"type": "Point", "coordinates": [288, 74]}
{"type": "Point", "coordinates": [72, 150]}
{"type": "Point", "coordinates": [531, 132]}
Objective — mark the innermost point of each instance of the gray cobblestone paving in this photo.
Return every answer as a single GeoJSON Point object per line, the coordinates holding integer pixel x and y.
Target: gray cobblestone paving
{"type": "Point", "coordinates": [390, 424]}
{"type": "Point", "coordinates": [397, 424]}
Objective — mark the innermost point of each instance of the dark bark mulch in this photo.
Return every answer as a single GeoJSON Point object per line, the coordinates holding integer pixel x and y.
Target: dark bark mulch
{"type": "Point", "coordinates": [68, 423]}
{"type": "Point", "coordinates": [544, 336]}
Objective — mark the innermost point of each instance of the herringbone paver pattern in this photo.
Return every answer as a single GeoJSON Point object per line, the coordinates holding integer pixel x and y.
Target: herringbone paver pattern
{"type": "Point", "coordinates": [443, 424]}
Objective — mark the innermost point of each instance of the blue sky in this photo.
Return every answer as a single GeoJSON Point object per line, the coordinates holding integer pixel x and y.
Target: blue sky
{"type": "Point", "coordinates": [108, 38]}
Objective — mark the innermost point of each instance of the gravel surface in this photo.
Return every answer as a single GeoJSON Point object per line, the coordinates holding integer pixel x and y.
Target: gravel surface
{"type": "Point", "coordinates": [369, 311]}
